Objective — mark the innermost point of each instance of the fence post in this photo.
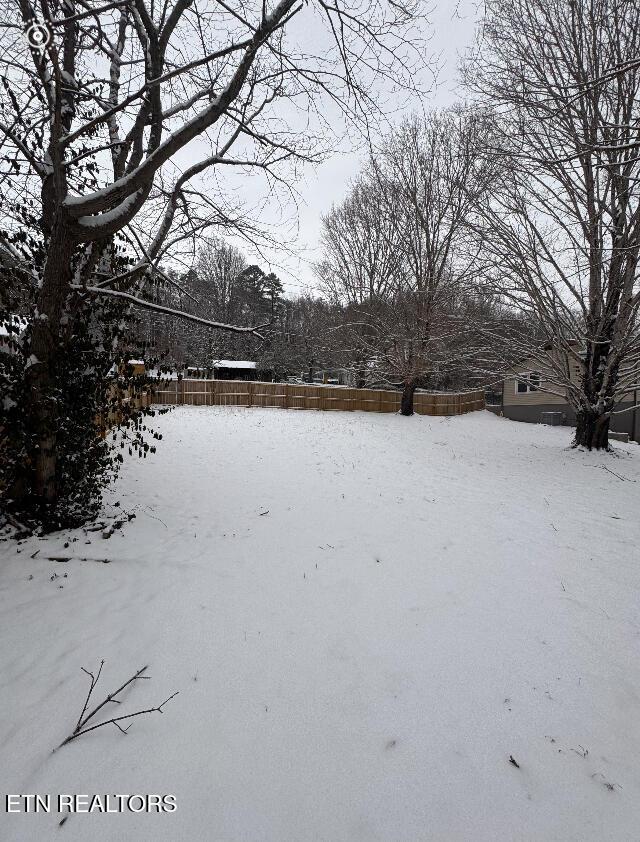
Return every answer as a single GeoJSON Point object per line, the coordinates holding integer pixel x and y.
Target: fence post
{"type": "Point", "coordinates": [181, 399]}
{"type": "Point", "coordinates": [250, 393]}
{"type": "Point", "coordinates": [286, 396]}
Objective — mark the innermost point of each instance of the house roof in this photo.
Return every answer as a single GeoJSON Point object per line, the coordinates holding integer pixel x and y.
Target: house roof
{"type": "Point", "coordinates": [548, 347]}
{"type": "Point", "coordinates": [234, 364]}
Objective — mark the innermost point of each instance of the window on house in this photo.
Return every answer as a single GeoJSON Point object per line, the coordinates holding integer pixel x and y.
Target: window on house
{"type": "Point", "coordinates": [528, 381]}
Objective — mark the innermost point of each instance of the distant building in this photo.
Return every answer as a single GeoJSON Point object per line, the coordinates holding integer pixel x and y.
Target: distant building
{"type": "Point", "coordinates": [235, 370]}
{"type": "Point", "coordinates": [240, 370]}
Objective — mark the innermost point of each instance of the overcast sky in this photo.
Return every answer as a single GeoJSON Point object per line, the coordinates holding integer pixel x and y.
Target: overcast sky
{"type": "Point", "coordinates": [452, 31]}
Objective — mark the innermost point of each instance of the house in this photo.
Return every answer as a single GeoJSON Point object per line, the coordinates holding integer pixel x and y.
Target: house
{"type": "Point", "coordinates": [525, 398]}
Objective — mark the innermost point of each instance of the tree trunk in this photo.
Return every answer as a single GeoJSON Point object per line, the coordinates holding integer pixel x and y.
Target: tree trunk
{"type": "Point", "coordinates": [592, 430]}
{"type": "Point", "coordinates": [406, 404]}
{"type": "Point", "coordinates": [45, 347]}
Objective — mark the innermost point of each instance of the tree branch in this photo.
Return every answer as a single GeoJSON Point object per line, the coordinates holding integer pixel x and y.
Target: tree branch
{"type": "Point", "coordinates": [159, 308]}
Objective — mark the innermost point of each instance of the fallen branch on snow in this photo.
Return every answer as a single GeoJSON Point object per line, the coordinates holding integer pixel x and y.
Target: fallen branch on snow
{"type": "Point", "coordinates": [81, 725]}
{"type": "Point", "coordinates": [624, 479]}
{"type": "Point", "coordinates": [619, 476]}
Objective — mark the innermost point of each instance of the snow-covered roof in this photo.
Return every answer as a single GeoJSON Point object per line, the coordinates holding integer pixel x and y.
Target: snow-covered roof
{"type": "Point", "coordinates": [135, 362]}
{"type": "Point", "coordinates": [234, 364]}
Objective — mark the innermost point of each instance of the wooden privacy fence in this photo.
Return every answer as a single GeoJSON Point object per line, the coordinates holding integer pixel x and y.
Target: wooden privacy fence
{"type": "Point", "coordinates": [294, 396]}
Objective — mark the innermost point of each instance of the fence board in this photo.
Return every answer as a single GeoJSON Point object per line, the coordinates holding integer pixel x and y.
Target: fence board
{"type": "Point", "coordinates": [296, 396]}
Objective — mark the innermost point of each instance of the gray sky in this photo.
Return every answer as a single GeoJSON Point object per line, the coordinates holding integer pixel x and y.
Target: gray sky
{"type": "Point", "coordinates": [452, 28]}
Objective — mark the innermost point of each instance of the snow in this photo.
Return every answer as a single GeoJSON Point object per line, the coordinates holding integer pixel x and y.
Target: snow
{"type": "Point", "coordinates": [120, 211]}
{"type": "Point", "coordinates": [14, 322]}
{"type": "Point", "coordinates": [365, 615]}
{"type": "Point", "coordinates": [162, 375]}
{"type": "Point", "coordinates": [234, 364]}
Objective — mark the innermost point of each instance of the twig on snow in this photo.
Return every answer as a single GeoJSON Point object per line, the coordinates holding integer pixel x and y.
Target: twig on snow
{"type": "Point", "coordinates": [94, 681]}
{"type": "Point", "coordinates": [148, 514]}
{"type": "Point", "coordinates": [81, 725]}
{"type": "Point", "coordinates": [605, 468]}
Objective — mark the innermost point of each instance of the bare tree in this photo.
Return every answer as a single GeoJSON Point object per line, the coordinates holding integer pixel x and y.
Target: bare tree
{"type": "Point", "coordinates": [405, 344]}
{"type": "Point", "coordinates": [430, 174]}
{"type": "Point", "coordinates": [307, 339]}
{"type": "Point", "coordinates": [363, 260]}
{"type": "Point", "coordinates": [363, 264]}
{"type": "Point", "coordinates": [421, 186]}
{"type": "Point", "coordinates": [217, 271]}
{"type": "Point", "coordinates": [561, 233]}
{"type": "Point", "coordinates": [112, 115]}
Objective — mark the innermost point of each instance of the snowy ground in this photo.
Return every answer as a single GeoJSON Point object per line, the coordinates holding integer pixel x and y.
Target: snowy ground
{"type": "Point", "coordinates": [365, 616]}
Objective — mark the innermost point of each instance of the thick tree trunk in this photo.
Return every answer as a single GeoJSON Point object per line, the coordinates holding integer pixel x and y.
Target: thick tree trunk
{"type": "Point", "coordinates": [598, 386]}
{"type": "Point", "coordinates": [45, 347]}
{"type": "Point", "coordinates": [406, 404]}
{"type": "Point", "coordinates": [592, 430]}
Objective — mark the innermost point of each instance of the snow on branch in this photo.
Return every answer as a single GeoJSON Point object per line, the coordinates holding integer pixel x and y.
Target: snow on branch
{"type": "Point", "coordinates": [169, 311]}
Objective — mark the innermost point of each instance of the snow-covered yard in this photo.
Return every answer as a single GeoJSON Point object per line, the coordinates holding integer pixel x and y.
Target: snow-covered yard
{"type": "Point", "coordinates": [365, 616]}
